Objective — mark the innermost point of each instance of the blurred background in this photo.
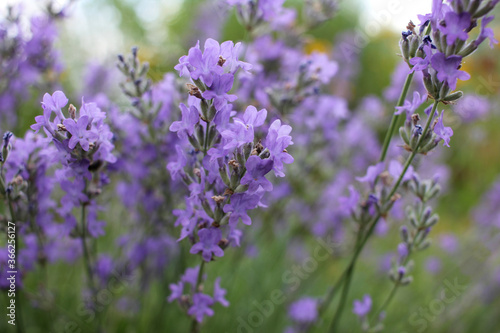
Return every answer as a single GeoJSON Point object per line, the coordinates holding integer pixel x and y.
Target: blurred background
{"type": "Point", "coordinates": [94, 32]}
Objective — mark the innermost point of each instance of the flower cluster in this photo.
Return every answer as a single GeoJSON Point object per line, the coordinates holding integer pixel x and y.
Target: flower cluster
{"type": "Point", "coordinates": [27, 58]}
{"type": "Point", "coordinates": [221, 158]}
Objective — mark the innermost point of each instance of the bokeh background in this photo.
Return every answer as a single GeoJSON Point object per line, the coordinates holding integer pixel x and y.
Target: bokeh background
{"type": "Point", "coordinates": [95, 31]}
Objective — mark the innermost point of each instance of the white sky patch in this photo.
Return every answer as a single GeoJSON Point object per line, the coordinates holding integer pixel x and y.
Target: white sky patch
{"type": "Point", "coordinates": [394, 14]}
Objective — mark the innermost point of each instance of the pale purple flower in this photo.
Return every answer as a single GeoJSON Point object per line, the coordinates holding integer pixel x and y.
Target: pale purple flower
{"type": "Point", "coordinates": [448, 69]}
{"type": "Point", "coordinates": [277, 140]}
{"type": "Point", "coordinates": [455, 26]}
{"type": "Point", "coordinates": [204, 64]}
{"type": "Point", "coordinates": [304, 310]}
{"type": "Point", "coordinates": [349, 204]}
{"type": "Point", "coordinates": [55, 102]}
{"type": "Point", "coordinates": [219, 293]}
{"type": "Point", "coordinates": [201, 306]}
{"type": "Point", "coordinates": [486, 32]}
{"type": "Point", "coordinates": [411, 107]}
{"type": "Point", "coordinates": [208, 244]}
{"type": "Point", "coordinates": [257, 169]}
{"type": "Point", "coordinates": [176, 291]}
{"type": "Point", "coordinates": [395, 169]}
{"type": "Point", "coordinates": [372, 173]}
{"type": "Point", "coordinates": [237, 135]}
{"type": "Point", "coordinates": [190, 117]}
{"type": "Point", "coordinates": [238, 207]}
{"type": "Point", "coordinates": [362, 308]}
{"type": "Point", "coordinates": [79, 132]}
{"type": "Point", "coordinates": [252, 117]}
{"type": "Point", "coordinates": [219, 89]}
{"type": "Point", "coordinates": [444, 133]}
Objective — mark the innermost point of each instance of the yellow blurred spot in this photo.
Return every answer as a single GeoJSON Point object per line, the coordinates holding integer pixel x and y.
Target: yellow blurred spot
{"type": "Point", "coordinates": [317, 45]}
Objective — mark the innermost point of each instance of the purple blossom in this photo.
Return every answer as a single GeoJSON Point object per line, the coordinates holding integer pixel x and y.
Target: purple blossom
{"type": "Point", "coordinates": [204, 64]}
{"type": "Point", "coordinates": [219, 293]}
{"type": "Point", "coordinates": [411, 107]}
{"type": "Point", "coordinates": [277, 140]}
{"type": "Point", "coordinates": [208, 244]}
{"type": "Point", "coordinates": [176, 291]}
{"type": "Point", "coordinates": [252, 117]}
{"type": "Point", "coordinates": [486, 32]}
{"type": "Point", "coordinates": [257, 168]}
{"type": "Point", "coordinates": [420, 64]}
{"type": "Point", "coordinates": [79, 132]}
{"type": "Point", "coordinates": [55, 102]}
{"type": "Point", "coordinates": [237, 135]}
{"type": "Point", "coordinates": [304, 310]}
{"type": "Point", "coordinates": [455, 26]}
{"type": "Point", "coordinates": [444, 133]}
{"type": "Point", "coordinates": [240, 203]}
{"type": "Point", "coordinates": [349, 204]}
{"type": "Point", "coordinates": [448, 69]}
{"type": "Point", "coordinates": [201, 306]}
{"type": "Point", "coordinates": [395, 169]}
{"type": "Point", "coordinates": [219, 89]}
{"type": "Point", "coordinates": [362, 308]}
{"type": "Point", "coordinates": [372, 173]}
{"type": "Point", "coordinates": [190, 117]}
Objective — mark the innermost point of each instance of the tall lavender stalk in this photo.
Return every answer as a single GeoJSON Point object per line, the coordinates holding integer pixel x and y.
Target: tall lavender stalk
{"type": "Point", "coordinates": [439, 62]}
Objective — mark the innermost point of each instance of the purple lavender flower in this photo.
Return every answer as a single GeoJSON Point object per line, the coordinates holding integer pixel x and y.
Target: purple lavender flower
{"type": "Point", "coordinates": [277, 140]}
{"type": "Point", "coordinates": [221, 85]}
{"type": "Point", "coordinates": [208, 244]}
{"type": "Point", "coordinates": [420, 64]}
{"type": "Point", "coordinates": [304, 310]}
{"type": "Point", "coordinates": [79, 132]}
{"type": "Point", "coordinates": [486, 32]}
{"type": "Point", "coordinates": [448, 69]}
{"type": "Point", "coordinates": [257, 169]}
{"type": "Point", "coordinates": [455, 26]}
{"type": "Point", "coordinates": [176, 291]}
{"type": "Point", "coordinates": [411, 107]}
{"type": "Point", "coordinates": [395, 169]}
{"type": "Point", "coordinates": [201, 306]}
{"type": "Point", "coordinates": [443, 132]}
{"type": "Point", "coordinates": [219, 293]}
{"type": "Point", "coordinates": [362, 308]}
{"type": "Point", "coordinates": [240, 203]}
{"type": "Point", "coordinates": [205, 64]}
{"type": "Point", "coordinates": [372, 173]}
{"type": "Point", "coordinates": [190, 117]}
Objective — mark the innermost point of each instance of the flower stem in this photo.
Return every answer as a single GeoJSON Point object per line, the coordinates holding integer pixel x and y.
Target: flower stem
{"type": "Point", "coordinates": [395, 117]}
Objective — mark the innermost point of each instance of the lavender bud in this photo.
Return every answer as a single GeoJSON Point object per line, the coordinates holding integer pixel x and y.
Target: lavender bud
{"type": "Point", "coordinates": [453, 97]}
{"type": "Point", "coordinates": [404, 135]}
{"type": "Point", "coordinates": [403, 231]}
{"type": "Point", "coordinates": [432, 221]}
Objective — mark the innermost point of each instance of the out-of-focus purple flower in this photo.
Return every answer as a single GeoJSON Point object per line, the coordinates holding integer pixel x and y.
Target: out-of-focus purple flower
{"type": "Point", "coordinates": [455, 26]}
{"type": "Point", "coordinates": [208, 244]}
{"type": "Point", "coordinates": [402, 251]}
{"type": "Point", "coordinates": [176, 291]}
{"type": "Point", "coordinates": [449, 243]}
{"type": "Point", "coordinates": [472, 107]}
{"type": "Point", "coordinates": [444, 133]}
{"type": "Point", "coordinates": [447, 69]}
{"type": "Point", "coordinates": [201, 306]}
{"type": "Point", "coordinates": [486, 32]}
{"type": "Point", "coordinates": [372, 173]}
{"type": "Point", "coordinates": [362, 308]}
{"type": "Point", "coordinates": [304, 310]}
{"type": "Point", "coordinates": [219, 293]}
{"type": "Point", "coordinates": [411, 107]}
{"type": "Point", "coordinates": [395, 169]}
{"type": "Point", "coordinates": [349, 204]}
{"type": "Point", "coordinates": [433, 265]}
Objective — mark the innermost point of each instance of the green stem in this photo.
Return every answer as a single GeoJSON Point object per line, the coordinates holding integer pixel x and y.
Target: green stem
{"type": "Point", "coordinates": [378, 215]}
{"type": "Point", "coordinates": [395, 117]}
{"type": "Point", "coordinates": [343, 299]}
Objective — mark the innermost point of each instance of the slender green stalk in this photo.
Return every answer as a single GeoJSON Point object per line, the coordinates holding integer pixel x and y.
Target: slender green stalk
{"type": "Point", "coordinates": [395, 117]}
{"type": "Point", "coordinates": [378, 215]}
